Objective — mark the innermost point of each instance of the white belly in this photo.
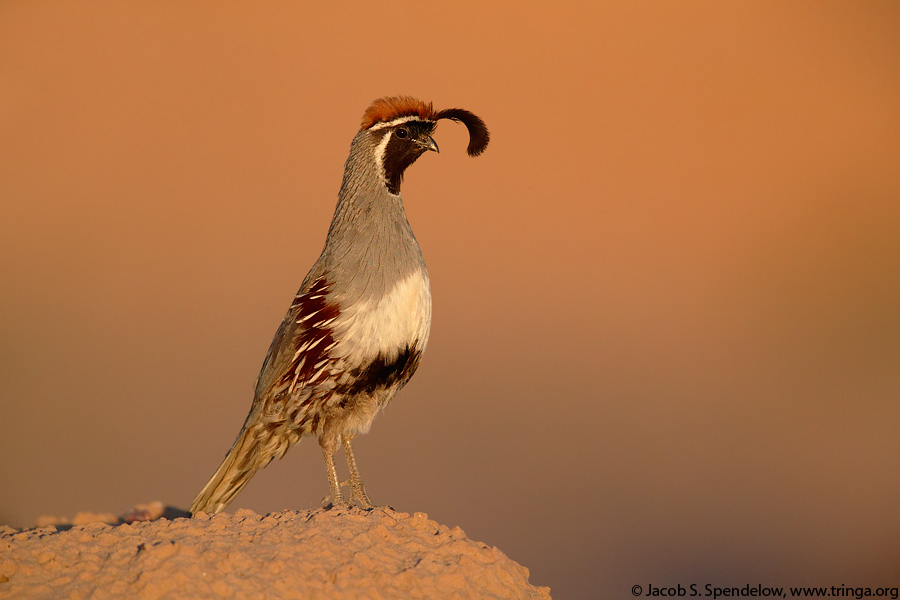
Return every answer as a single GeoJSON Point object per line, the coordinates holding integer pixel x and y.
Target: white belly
{"type": "Point", "coordinates": [400, 319]}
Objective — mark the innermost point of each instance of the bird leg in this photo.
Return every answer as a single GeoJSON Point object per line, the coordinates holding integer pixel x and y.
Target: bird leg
{"type": "Point", "coordinates": [337, 500]}
{"type": "Point", "coordinates": [357, 491]}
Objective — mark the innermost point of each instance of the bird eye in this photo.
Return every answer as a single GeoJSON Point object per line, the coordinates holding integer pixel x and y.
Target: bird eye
{"type": "Point", "coordinates": [402, 133]}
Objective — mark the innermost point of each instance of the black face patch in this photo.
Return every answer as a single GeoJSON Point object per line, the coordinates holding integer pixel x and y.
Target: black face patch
{"type": "Point", "coordinates": [402, 150]}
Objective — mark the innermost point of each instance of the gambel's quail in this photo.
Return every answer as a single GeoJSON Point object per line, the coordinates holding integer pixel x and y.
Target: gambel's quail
{"type": "Point", "coordinates": [357, 328]}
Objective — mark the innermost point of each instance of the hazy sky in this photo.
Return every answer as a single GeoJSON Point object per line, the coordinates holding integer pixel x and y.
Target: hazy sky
{"type": "Point", "coordinates": [666, 328]}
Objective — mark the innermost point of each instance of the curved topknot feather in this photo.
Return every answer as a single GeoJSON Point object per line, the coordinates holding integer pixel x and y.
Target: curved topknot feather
{"type": "Point", "coordinates": [478, 131]}
{"type": "Point", "coordinates": [387, 109]}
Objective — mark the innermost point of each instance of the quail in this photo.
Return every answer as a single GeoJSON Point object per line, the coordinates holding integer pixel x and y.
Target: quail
{"type": "Point", "coordinates": [356, 330]}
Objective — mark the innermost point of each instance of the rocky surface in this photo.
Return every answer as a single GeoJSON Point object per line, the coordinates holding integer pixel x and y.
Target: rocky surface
{"type": "Point", "coordinates": [328, 554]}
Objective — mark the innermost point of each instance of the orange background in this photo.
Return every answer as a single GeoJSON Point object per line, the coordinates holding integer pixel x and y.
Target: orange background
{"type": "Point", "coordinates": [666, 300]}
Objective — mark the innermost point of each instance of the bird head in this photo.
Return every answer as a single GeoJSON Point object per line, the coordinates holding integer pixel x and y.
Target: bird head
{"type": "Point", "coordinates": [401, 128]}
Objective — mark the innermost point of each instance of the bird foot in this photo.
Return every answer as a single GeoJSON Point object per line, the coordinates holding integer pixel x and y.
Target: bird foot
{"type": "Point", "coordinates": [358, 498]}
{"type": "Point", "coordinates": [363, 502]}
{"type": "Point", "coordinates": [336, 500]}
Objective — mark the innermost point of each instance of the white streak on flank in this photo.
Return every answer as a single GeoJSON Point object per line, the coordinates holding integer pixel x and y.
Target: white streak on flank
{"type": "Point", "coordinates": [396, 121]}
{"type": "Point", "coordinates": [309, 316]}
{"type": "Point", "coordinates": [315, 375]}
{"type": "Point", "coordinates": [297, 368]}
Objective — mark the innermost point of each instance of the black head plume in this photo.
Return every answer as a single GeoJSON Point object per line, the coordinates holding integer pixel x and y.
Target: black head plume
{"type": "Point", "coordinates": [478, 131]}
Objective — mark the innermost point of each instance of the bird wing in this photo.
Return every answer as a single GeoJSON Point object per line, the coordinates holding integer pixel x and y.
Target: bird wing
{"type": "Point", "coordinates": [299, 361]}
{"type": "Point", "coordinates": [293, 383]}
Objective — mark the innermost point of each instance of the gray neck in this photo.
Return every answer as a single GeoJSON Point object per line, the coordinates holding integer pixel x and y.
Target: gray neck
{"type": "Point", "coordinates": [370, 245]}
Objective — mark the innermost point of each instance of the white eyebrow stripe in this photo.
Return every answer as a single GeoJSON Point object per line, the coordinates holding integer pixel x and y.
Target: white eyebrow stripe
{"type": "Point", "coordinates": [397, 121]}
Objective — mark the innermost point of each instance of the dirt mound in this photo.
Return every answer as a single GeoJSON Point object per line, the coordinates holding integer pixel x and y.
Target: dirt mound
{"type": "Point", "coordinates": [329, 554]}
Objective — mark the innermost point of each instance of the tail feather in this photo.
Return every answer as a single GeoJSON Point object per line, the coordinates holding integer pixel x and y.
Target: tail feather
{"type": "Point", "coordinates": [253, 450]}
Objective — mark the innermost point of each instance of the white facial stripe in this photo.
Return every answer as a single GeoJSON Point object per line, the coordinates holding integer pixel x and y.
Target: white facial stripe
{"type": "Point", "coordinates": [379, 156]}
{"type": "Point", "coordinates": [396, 121]}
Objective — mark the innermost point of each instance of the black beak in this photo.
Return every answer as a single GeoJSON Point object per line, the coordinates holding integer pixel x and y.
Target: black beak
{"type": "Point", "coordinates": [427, 142]}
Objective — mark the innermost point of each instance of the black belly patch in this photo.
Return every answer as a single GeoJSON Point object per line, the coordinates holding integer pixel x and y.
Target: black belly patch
{"type": "Point", "coordinates": [381, 374]}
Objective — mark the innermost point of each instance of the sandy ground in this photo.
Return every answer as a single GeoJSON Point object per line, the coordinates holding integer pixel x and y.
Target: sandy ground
{"type": "Point", "coordinates": [329, 554]}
